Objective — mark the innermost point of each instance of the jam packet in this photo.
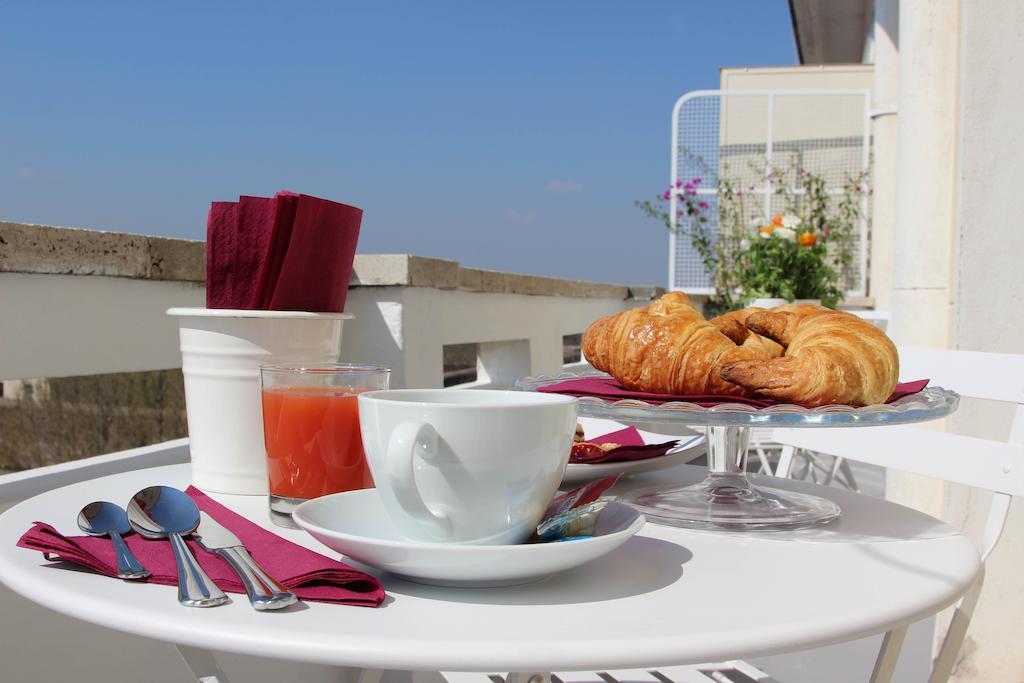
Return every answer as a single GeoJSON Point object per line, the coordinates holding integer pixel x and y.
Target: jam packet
{"type": "Point", "coordinates": [579, 522]}
{"type": "Point", "coordinates": [574, 514]}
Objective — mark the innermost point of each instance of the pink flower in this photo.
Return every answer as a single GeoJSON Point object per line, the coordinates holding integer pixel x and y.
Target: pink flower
{"type": "Point", "coordinates": [679, 183]}
{"type": "Point", "coordinates": [665, 196]}
{"type": "Point", "coordinates": [703, 205]}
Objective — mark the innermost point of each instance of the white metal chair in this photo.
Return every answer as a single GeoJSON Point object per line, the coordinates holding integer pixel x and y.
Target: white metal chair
{"type": "Point", "coordinates": [981, 463]}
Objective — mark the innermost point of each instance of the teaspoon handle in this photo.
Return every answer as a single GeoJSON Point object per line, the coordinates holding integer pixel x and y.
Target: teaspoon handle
{"type": "Point", "coordinates": [128, 566]}
{"type": "Point", "coordinates": [195, 588]}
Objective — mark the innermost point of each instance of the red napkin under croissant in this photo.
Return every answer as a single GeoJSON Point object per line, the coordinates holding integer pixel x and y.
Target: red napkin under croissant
{"type": "Point", "coordinates": [609, 389]}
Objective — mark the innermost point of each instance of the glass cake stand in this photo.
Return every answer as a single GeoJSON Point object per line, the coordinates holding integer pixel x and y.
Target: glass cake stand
{"type": "Point", "coordinates": [726, 499]}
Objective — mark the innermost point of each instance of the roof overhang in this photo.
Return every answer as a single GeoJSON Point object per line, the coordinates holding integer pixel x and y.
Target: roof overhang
{"type": "Point", "coordinates": [831, 31]}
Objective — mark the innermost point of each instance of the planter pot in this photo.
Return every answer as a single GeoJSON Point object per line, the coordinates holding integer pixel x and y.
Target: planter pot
{"type": "Point", "coordinates": [767, 302]}
{"type": "Point", "coordinates": [221, 354]}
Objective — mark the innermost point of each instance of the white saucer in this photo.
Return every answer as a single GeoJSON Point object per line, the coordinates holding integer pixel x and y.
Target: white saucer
{"type": "Point", "coordinates": [355, 524]}
{"type": "Point", "coordinates": [692, 447]}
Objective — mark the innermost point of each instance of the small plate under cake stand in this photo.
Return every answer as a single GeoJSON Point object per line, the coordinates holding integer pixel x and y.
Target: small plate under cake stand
{"type": "Point", "coordinates": [356, 525]}
{"type": "Point", "coordinates": [727, 499]}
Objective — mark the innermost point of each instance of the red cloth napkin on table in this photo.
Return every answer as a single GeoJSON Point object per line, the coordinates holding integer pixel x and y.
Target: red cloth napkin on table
{"type": "Point", "coordinates": [609, 389]}
{"type": "Point", "coordinates": [289, 252]}
{"type": "Point", "coordinates": [631, 447]}
{"type": "Point", "coordinates": [310, 575]}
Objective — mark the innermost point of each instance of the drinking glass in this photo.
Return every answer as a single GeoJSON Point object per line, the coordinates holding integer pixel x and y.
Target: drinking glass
{"type": "Point", "coordinates": [311, 431]}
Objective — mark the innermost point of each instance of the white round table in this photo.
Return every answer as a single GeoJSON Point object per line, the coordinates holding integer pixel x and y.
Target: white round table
{"type": "Point", "coordinates": [668, 596]}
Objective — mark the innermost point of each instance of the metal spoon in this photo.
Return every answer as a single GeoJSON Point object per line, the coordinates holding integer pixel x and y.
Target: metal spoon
{"type": "Point", "coordinates": [108, 519]}
{"type": "Point", "coordinates": [161, 511]}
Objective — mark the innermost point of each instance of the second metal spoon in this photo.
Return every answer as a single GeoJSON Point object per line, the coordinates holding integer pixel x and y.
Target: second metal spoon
{"type": "Point", "coordinates": [108, 519]}
{"type": "Point", "coordinates": [165, 512]}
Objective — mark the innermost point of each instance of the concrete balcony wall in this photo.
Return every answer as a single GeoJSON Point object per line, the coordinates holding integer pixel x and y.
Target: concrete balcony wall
{"type": "Point", "coordinates": [78, 302]}
{"type": "Point", "coordinates": [81, 302]}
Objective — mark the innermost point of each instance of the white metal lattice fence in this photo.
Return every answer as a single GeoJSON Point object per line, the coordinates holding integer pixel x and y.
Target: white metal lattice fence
{"type": "Point", "coordinates": [738, 134]}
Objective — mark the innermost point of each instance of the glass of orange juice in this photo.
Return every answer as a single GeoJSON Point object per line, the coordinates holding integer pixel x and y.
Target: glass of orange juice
{"type": "Point", "coordinates": [311, 431]}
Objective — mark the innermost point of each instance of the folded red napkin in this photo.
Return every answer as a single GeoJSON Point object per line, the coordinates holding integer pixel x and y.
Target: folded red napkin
{"type": "Point", "coordinates": [291, 252]}
{"type": "Point", "coordinates": [310, 575]}
{"type": "Point", "coordinates": [631, 447]}
{"type": "Point", "coordinates": [609, 389]}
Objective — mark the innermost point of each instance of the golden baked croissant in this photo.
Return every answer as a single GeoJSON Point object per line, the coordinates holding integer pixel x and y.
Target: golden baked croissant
{"type": "Point", "coordinates": [734, 326]}
{"type": "Point", "coordinates": [831, 357]}
{"type": "Point", "coordinates": [666, 348]}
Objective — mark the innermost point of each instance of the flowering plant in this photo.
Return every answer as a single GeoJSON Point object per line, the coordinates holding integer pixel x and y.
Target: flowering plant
{"type": "Point", "coordinates": [786, 259]}
{"type": "Point", "coordinates": [691, 218]}
{"type": "Point", "coordinates": [804, 253]}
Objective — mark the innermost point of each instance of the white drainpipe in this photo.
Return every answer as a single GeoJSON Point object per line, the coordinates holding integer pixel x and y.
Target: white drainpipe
{"type": "Point", "coordinates": [885, 133]}
{"type": "Point", "coordinates": [926, 173]}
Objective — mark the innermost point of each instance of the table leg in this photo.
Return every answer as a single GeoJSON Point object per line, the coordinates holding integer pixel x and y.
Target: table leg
{"type": "Point", "coordinates": [202, 664]}
{"type": "Point", "coordinates": [205, 669]}
{"type": "Point", "coordinates": [528, 678]}
{"type": "Point", "coordinates": [885, 665]}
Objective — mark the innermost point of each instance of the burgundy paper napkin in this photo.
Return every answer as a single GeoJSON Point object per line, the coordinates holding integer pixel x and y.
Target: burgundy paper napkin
{"type": "Point", "coordinates": [221, 231]}
{"type": "Point", "coordinates": [317, 263]}
{"type": "Point", "coordinates": [609, 389]}
{"type": "Point", "coordinates": [310, 575]}
{"type": "Point", "coordinates": [252, 248]}
{"type": "Point", "coordinates": [288, 252]}
{"type": "Point", "coordinates": [284, 218]}
{"type": "Point", "coordinates": [631, 447]}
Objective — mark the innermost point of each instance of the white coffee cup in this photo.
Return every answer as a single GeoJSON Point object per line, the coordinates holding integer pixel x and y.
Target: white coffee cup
{"type": "Point", "coordinates": [464, 465]}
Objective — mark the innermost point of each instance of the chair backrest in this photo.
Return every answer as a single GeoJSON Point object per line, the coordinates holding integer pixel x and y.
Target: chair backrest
{"type": "Point", "coordinates": [990, 464]}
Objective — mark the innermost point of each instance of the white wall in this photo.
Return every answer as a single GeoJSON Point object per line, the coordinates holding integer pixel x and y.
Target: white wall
{"type": "Point", "coordinates": [885, 132]}
{"type": "Point", "coordinates": [61, 325]}
{"type": "Point", "coordinates": [989, 290]}
{"type": "Point", "coordinates": [408, 327]}
{"type": "Point", "coordinates": [957, 254]}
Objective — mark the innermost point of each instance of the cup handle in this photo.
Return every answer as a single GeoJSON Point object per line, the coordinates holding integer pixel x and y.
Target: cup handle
{"type": "Point", "coordinates": [408, 439]}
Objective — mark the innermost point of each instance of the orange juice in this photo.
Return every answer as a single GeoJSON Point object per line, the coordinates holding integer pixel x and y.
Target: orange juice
{"type": "Point", "coordinates": [314, 446]}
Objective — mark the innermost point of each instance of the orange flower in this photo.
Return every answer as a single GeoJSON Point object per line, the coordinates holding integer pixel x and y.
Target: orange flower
{"type": "Point", "coordinates": [807, 239]}
{"type": "Point", "coordinates": [766, 230]}
{"type": "Point", "coordinates": [777, 221]}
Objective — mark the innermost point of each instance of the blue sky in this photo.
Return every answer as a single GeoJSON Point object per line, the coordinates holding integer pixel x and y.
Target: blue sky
{"type": "Point", "coordinates": [512, 136]}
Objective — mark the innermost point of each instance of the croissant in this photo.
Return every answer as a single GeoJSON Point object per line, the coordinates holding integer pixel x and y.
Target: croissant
{"type": "Point", "coordinates": [733, 325]}
{"type": "Point", "coordinates": [831, 357]}
{"type": "Point", "coordinates": [666, 348]}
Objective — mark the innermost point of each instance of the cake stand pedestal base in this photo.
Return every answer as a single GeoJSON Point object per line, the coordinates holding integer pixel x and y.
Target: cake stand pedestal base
{"type": "Point", "coordinates": [727, 499]}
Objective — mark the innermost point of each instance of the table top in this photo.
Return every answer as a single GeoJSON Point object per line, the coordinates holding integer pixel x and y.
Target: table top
{"type": "Point", "coordinates": [668, 596]}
